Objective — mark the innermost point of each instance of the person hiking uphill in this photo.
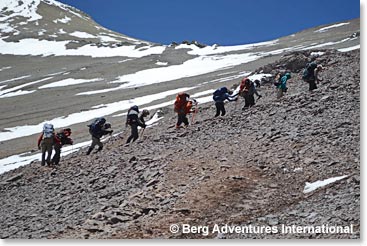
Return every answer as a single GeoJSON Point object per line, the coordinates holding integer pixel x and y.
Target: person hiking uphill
{"type": "Point", "coordinates": [247, 91]}
{"type": "Point", "coordinates": [63, 137]}
{"type": "Point", "coordinates": [144, 114]}
{"type": "Point", "coordinates": [219, 96]}
{"type": "Point", "coordinates": [182, 107]}
{"type": "Point", "coordinates": [311, 75]}
{"type": "Point", "coordinates": [98, 129]}
{"type": "Point", "coordinates": [45, 142]}
{"type": "Point", "coordinates": [282, 84]}
{"type": "Point", "coordinates": [134, 121]}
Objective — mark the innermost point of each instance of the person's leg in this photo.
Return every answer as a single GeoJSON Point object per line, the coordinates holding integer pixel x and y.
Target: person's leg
{"type": "Point", "coordinates": [43, 150]}
{"type": "Point", "coordinates": [312, 85]}
{"type": "Point", "coordinates": [217, 106]}
{"type": "Point", "coordinates": [49, 151]}
{"type": "Point", "coordinates": [251, 100]}
{"type": "Point", "coordinates": [56, 157]}
{"type": "Point", "coordinates": [279, 93]}
{"type": "Point", "coordinates": [94, 142]}
{"type": "Point", "coordinates": [179, 120]}
{"type": "Point", "coordinates": [185, 120]}
{"type": "Point", "coordinates": [247, 101]}
{"type": "Point", "coordinates": [222, 109]}
{"type": "Point", "coordinates": [100, 144]}
{"type": "Point", "coordinates": [134, 132]}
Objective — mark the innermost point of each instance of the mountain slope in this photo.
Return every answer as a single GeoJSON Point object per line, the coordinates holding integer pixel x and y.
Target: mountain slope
{"type": "Point", "coordinates": [59, 66]}
{"type": "Point", "coordinates": [61, 78]}
{"type": "Point", "coordinates": [247, 168]}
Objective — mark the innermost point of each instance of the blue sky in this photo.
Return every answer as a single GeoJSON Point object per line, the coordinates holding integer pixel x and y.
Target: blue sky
{"type": "Point", "coordinates": [225, 22]}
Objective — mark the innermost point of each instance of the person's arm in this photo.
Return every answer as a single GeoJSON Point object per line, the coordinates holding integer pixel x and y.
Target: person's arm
{"type": "Point", "coordinates": [317, 75]}
{"type": "Point", "coordinates": [39, 141]}
{"type": "Point", "coordinates": [231, 98]}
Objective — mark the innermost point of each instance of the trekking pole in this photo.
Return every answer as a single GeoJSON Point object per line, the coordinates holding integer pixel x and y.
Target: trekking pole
{"type": "Point", "coordinates": [195, 112]}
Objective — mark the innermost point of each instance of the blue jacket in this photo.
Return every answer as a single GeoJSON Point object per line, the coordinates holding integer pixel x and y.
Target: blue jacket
{"type": "Point", "coordinates": [221, 95]}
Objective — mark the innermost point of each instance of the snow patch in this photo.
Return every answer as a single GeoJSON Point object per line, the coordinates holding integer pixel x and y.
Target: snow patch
{"type": "Point", "coordinates": [84, 116]}
{"type": "Point", "coordinates": [309, 187]}
{"type": "Point", "coordinates": [356, 47]}
{"type": "Point", "coordinates": [324, 29]}
{"type": "Point", "coordinates": [68, 82]}
{"type": "Point", "coordinates": [79, 34]}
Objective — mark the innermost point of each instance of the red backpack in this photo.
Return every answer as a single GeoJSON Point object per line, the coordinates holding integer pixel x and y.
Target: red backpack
{"type": "Point", "coordinates": [243, 86]}
{"type": "Point", "coordinates": [180, 103]}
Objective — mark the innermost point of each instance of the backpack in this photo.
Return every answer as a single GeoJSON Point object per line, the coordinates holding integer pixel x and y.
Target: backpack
{"type": "Point", "coordinates": [218, 95]}
{"type": "Point", "coordinates": [48, 130]}
{"type": "Point", "coordinates": [181, 101]}
{"type": "Point", "coordinates": [188, 107]}
{"type": "Point", "coordinates": [278, 79]}
{"type": "Point", "coordinates": [96, 125]}
{"type": "Point", "coordinates": [242, 85]}
{"type": "Point", "coordinates": [308, 72]}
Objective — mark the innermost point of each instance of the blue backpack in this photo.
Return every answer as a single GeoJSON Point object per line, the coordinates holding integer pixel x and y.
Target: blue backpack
{"type": "Point", "coordinates": [96, 125]}
{"type": "Point", "coordinates": [218, 95]}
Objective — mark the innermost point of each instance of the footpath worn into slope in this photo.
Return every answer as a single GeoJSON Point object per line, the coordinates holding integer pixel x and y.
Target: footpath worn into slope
{"type": "Point", "coordinates": [247, 167]}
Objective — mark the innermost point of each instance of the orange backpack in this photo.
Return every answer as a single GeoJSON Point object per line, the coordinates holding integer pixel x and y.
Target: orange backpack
{"type": "Point", "coordinates": [188, 107]}
{"type": "Point", "coordinates": [180, 103]}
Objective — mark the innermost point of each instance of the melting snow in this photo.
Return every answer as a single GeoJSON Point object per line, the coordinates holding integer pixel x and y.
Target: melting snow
{"type": "Point", "coordinates": [37, 47]}
{"type": "Point", "coordinates": [82, 35]}
{"type": "Point", "coordinates": [84, 116]}
{"type": "Point", "coordinates": [324, 29]}
{"type": "Point", "coordinates": [356, 47]}
{"type": "Point", "coordinates": [309, 187]}
{"type": "Point", "coordinates": [67, 82]}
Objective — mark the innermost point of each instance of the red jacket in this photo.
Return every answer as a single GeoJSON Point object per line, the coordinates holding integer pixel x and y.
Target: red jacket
{"type": "Point", "coordinates": [40, 138]}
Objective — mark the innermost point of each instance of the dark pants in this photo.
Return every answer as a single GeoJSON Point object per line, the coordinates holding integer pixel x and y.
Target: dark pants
{"type": "Point", "coordinates": [56, 157]}
{"type": "Point", "coordinates": [249, 100]}
{"type": "Point", "coordinates": [95, 141]}
{"type": "Point", "coordinates": [312, 85]}
{"type": "Point", "coordinates": [134, 133]}
{"type": "Point", "coordinates": [181, 118]}
{"type": "Point", "coordinates": [46, 147]}
{"type": "Point", "coordinates": [220, 109]}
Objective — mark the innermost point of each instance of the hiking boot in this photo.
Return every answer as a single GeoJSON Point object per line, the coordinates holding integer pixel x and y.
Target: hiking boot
{"type": "Point", "coordinates": [89, 150]}
{"type": "Point", "coordinates": [99, 149]}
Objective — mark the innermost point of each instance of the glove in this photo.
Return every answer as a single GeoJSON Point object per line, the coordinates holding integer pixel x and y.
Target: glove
{"type": "Point", "coordinates": [144, 126]}
{"type": "Point", "coordinates": [39, 147]}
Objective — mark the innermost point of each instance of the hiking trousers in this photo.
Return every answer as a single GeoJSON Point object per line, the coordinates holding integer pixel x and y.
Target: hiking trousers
{"type": "Point", "coordinates": [95, 141]}
{"type": "Point", "coordinates": [46, 147]}
{"type": "Point", "coordinates": [279, 92]}
{"type": "Point", "coordinates": [134, 133]}
{"type": "Point", "coordinates": [220, 109]}
{"type": "Point", "coordinates": [181, 118]}
{"type": "Point", "coordinates": [312, 85]}
{"type": "Point", "coordinates": [249, 100]}
{"type": "Point", "coordinates": [56, 157]}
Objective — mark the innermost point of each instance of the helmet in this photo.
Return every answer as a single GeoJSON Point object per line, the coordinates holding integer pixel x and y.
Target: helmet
{"type": "Point", "coordinates": [288, 75]}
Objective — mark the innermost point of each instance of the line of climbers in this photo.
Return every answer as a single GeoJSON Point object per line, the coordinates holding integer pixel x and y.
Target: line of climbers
{"type": "Point", "coordinates": [183, 106]}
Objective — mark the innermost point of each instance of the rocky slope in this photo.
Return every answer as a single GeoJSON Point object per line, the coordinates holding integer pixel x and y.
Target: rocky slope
{"type": "Point", "coordinates": [247, 168]}
{"type": "Point", "coordinates": [43, 42]}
